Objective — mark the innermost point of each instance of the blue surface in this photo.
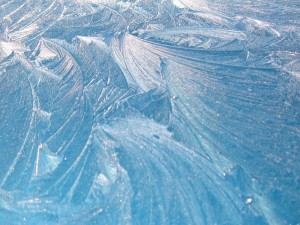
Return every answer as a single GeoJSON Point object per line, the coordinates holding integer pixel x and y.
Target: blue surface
{"type": "Point", "coordinates": [149, 112]}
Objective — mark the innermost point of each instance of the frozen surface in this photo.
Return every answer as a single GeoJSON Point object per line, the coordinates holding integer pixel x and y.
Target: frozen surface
{"type": "Point", "coordinates": [149, 112]}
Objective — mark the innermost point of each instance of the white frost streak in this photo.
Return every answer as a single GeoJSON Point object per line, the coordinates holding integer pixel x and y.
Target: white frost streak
{"type": "Point", "coordinates": [8, 47]}
{"type": "Point", "coordinates": [37, 160]}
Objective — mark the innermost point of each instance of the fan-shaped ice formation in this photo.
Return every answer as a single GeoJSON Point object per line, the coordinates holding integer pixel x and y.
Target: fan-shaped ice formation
{"type": "Point", "coordinates": [149, 112]}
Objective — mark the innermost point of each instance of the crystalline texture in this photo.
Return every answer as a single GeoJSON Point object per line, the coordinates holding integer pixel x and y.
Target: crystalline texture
{"type": "Point", "coordinates": [149, 112]}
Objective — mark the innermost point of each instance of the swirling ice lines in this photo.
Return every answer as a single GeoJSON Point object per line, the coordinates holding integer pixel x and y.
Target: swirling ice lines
{"type": "Point", "coordinates": [149, 112]}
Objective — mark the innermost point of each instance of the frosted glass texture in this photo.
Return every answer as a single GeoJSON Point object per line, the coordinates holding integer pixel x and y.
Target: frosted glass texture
{"type": "Point", "coordinates": [149, 112]}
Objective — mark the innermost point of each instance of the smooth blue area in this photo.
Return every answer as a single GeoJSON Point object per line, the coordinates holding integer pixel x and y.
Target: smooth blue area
{"type": "Point", "coordinates": [149, 112]}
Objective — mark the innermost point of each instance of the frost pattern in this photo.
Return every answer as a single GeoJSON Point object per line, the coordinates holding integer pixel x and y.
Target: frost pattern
{"type": "Point", "coordinates": [149, 112]}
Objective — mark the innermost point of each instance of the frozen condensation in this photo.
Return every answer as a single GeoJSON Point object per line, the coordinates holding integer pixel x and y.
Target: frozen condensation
{"type": "Point", "coordinates": [149, 112]}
